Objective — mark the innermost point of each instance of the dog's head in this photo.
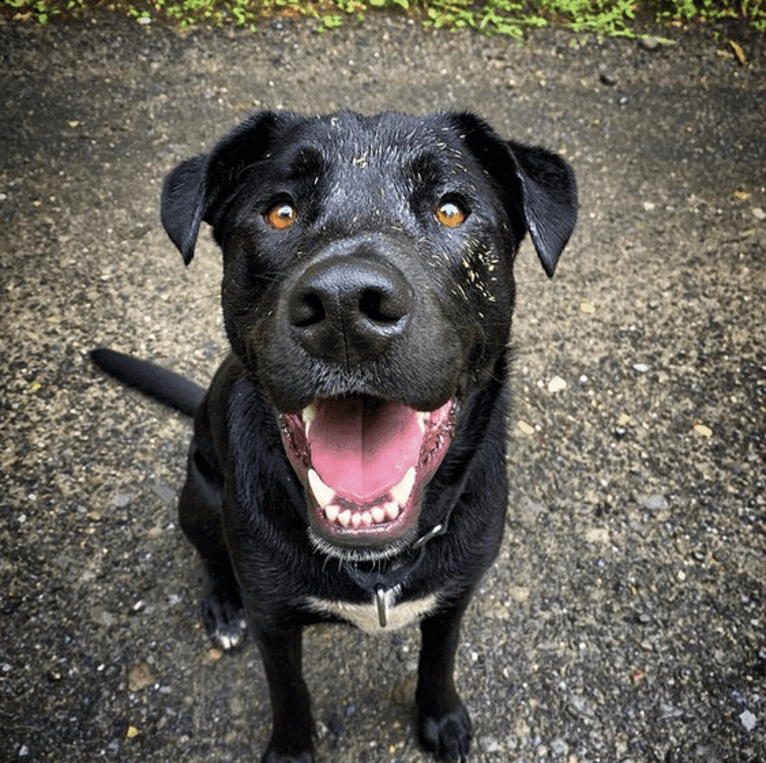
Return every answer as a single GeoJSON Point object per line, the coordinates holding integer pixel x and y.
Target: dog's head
{"type": "Point", "coordinates": [368, 290]}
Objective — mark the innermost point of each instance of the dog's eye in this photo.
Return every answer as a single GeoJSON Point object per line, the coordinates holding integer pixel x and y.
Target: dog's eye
{"type": "Point", "coordinates": [450, 214]}
{"type": "Point", "coordinates": [281, 215]}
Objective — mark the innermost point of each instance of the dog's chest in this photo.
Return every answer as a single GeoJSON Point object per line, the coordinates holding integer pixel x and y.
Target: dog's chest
{"type": "Point", "coordinates": [380, 615]}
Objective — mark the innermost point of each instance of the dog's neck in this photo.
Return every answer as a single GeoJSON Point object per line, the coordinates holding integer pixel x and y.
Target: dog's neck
{"type": "Point", "coordinates": [379, 584]}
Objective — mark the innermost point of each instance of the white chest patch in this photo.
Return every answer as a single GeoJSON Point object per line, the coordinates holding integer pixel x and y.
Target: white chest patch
{"type": "Point", "coordinates": [366, 617]}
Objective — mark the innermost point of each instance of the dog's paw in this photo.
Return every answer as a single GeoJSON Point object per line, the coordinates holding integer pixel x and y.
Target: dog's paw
{"type": "Point", "coordinates": [224, 620]}
{"type": "Point", "coordinates": [448, 735]}
{"type": "Point", "coordinates": [222, 612]}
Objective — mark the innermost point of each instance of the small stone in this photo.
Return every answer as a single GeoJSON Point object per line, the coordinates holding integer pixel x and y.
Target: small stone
{"type": "Point", "coordinates": [579, 706]}
{"type": "Point", "coordinates": [640, 368]}
{"type": "Point", "coordinates": [648, 43]}
{"type": "Point", "coordinates": [556, 384]}
{"type": "Point", "coordinates": [748, 720]}
{"type": "Point", "coordinates": [139, 677]}
{"type": "Point", "coordinates": [656, 502]}
{"type": "Point", "coordinates": [489, 744]}
{"type": "Point", "coordinates": [121, 501]}
{"type": "Point", "coordinates": [759, 214]}
{"type": "Point", "coordinates": [668, 711]}
{"type": "Point", "coordinates": [559, 747]}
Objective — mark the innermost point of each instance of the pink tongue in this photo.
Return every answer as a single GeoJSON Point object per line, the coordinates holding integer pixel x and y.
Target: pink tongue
{"type": "Point", "coordinates": [361, 448]}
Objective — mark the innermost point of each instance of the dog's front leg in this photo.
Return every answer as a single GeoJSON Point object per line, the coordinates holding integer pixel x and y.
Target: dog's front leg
{"type": "Point", "coordinates": [292, 726]}
{"type": "Point", "coordinates": [444, 726]}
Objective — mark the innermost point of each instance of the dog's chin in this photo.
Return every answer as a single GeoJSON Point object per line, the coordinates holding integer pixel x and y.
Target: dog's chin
{"type": "Point", "coordinates": [365, 464]}
{"type": "Point", "coordinates": [358, 555]}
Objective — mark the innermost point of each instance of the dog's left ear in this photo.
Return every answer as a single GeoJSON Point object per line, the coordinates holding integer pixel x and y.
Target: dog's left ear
{"type": "Point", "coordinates": [197, 190]}
{"type": "Point", "coordinates": [539, 188]}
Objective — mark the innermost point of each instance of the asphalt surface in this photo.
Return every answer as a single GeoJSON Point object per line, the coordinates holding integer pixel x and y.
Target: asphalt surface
{"type": "Point", "coordinates": [624, 620]}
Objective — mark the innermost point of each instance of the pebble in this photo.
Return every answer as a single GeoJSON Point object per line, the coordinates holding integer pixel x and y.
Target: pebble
{"type": "Point", "coordinates": [656, 502]}
{"type": "Point", "coordinates": [489, 744]}
{"type": "Point", "coordinates": [578, 705]}
{"type": "Point", "coordinates": [139, 677]}
{"type": "Point", "coordinates": [748, 720]}
{"type": "Point", "coordinates": [668, 711]}
{"type": "Point", "coordinates": [559, 747]}
{"type": "Point", "coordinates": [556, 384]}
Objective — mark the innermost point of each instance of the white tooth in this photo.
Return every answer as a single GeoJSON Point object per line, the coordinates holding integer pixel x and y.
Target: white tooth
{"type": "Point", "coordinates": [379, 514]}
{"type": "Point", "coordinates": [356, 520]}
{"type": "Point", "coordinates": [401, 493]}
{"type": "Point", "coordinates": [345, 517]}
{"type": "Point", "coordinates": [331, 512]}
{"type": "Point", "coordinates": [323, 493]}
{"type": "Point", "coordinates": [392, 509]}
{"type": "Point", "coordinates": [367, 518]}
{"type": "Point", "coordinates": [422, 419]}
{"type": "Point", "coordinates": [308, 414]}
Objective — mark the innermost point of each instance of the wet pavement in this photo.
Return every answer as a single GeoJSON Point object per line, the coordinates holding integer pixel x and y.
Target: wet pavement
{"type": "Point", "coordinates": [625, 619]}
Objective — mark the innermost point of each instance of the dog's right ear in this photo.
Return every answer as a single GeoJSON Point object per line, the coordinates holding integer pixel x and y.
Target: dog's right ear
{"type": "Point", "coordinates": [184, 200]}
{"type": "Point", "coordinates": [196, 191]}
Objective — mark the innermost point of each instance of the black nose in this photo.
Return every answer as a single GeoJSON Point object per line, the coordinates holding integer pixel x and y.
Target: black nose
{"type": "Point", "coordinates": [348, 309]}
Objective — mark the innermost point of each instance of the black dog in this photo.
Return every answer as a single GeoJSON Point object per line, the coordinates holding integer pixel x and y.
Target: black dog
{"type": "Point", "coordinates": [367, 296]}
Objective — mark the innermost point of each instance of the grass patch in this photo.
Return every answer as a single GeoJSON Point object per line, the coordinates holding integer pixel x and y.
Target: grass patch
{"type": "Point", "coordinates": [512, 18]}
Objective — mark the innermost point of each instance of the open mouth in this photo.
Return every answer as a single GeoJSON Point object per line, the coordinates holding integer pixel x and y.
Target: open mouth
{"type": "Point", "coordinates": [365, 462]}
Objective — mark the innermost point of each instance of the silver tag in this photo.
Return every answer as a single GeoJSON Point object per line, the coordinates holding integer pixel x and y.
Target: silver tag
{"type": "Point", "coordinates": [381, 599]}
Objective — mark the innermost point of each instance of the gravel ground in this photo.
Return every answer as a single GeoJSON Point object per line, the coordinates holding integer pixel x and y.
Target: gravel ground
{"type": "Point", "coordinates": [624, 620]}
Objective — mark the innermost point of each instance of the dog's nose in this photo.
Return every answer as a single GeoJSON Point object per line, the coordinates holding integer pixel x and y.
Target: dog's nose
{"type": "Point", "coordinates": [349, 308]}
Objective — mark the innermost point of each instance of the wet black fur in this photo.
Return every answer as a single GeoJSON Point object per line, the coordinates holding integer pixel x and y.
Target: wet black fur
{"type": "Point", "coordinates": [365, 190]}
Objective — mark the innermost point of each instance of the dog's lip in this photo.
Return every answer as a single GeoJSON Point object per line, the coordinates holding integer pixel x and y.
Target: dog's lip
{"type": "Point", "coordinates": [387, 508]}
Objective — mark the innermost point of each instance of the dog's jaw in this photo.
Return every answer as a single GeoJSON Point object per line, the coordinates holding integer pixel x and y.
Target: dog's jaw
{"type": "Point", "coordinates": [365, 464]}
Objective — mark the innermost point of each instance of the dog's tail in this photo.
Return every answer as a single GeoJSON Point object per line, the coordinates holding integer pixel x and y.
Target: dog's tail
{"type": "Point", "coordinates": [166, 386]}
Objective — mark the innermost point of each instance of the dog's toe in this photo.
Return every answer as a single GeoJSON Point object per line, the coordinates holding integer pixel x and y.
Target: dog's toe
{"type": "Point", "coordinates": [447, 736]}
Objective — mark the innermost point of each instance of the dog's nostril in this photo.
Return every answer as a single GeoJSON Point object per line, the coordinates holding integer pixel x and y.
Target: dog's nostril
{"type": "Point", "coordinates": [307, 310]}
{"type": "Point", "coordinates": [380, 307]}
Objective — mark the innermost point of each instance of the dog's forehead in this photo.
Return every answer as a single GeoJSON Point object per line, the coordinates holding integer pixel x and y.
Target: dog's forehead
{"type": "Point", "coordinates": [386, 142]}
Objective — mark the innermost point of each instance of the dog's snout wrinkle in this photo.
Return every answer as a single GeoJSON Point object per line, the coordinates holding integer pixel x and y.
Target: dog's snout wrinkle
{"type": "Point", "coordinates": [349, 308]}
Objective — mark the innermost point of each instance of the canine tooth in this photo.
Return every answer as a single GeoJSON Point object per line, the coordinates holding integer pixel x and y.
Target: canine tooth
{"type": "Point", "coordinates": [378, 514]}
{"type": "Point", "coordinates": [392, 509]}
{"type": "Point", "coordinates": [345, 517]}
{"type": "Point", "coordinates": [422, 419]}
{"type": "Point", "coordinates": [308, 414]}
{"type": "Point", "coordinates": [401, 493]}
{"type": "Point", "coordinates": [323, 493]}
{"type": "Point", "coordinates": [331, 512]}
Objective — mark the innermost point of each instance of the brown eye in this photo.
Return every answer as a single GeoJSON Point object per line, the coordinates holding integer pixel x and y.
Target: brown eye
{"type": "Point", "coordinates": [450, 214]}
{"type": "Point", "coordinates": [281, 216]}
